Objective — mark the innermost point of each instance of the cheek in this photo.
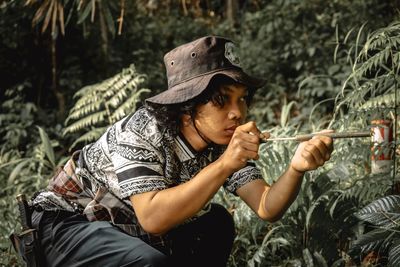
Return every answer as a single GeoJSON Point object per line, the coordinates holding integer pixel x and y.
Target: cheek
{"type": "Point", "coordinates": [213, 123]}
{"type": "Point", "coordinates": [244, 110]}
{"type": "Point", "coordinates": [212, 120]}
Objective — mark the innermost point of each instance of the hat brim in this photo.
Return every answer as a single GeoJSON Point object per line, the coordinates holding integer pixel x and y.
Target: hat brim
{"type": "Point", "coordinates": [190, 89]}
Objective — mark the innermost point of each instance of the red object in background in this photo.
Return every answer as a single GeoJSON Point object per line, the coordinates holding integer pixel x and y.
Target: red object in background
{"type": "Point", "coordinates": [381, 152]}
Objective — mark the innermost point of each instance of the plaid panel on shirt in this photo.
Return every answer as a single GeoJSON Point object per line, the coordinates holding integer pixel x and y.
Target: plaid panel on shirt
{"type": "Point", "coordinates": [102, 206]}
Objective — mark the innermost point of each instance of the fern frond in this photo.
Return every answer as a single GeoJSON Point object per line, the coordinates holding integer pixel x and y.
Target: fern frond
{"type": "Point", "coordinates": [90, 136]}
{"type": "Point", "coordinates": [128, 106]}
{"type": "Point", "coordinates": [380, 101]}
{"type": "Point", "coordinates": [371, 240]}
{"type": "Point", "coordinates": [314, 205]}
{"type": "Point", "coordinates": [104, 103]}
{"type": "Point", "coordinates": [375, 240]}
{"type": "Point", "coordinates": [375, 71]}
{"type": "Point", "coordinates": [83, 109]}
{"type": "Point", "coordinates": [320, 260]}
{"type": "Point", "coordinates": [394, 253]}
{"type": "Point", "coordinates": [384, 212]}
{"type": "Point", "coordinates": [87, 121]}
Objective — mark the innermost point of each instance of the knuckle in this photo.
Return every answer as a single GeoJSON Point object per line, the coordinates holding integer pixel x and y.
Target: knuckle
{"type": "Point", "coordinates": [327, 140]}
{"type": "Point", "coordinates": [309, 148]}
{"type": "Point", "coordinates": [305, 154]}
{"type": "Point", "coordinates": [254, 139]}
{"type": "Point", "coordinates": [317, 142]}
{"type": "Point", "coordinates": [266, 135]}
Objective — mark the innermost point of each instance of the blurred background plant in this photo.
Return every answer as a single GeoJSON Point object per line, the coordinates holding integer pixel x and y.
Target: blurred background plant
{"type": "Point", "coordinates": [67, 66]}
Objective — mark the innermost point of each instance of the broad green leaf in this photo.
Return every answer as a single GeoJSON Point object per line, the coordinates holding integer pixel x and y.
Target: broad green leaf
{"type": "Point", "coordinates": [85, 12]}
{"type": "Point", "coordinates": [48, 149]}
{"type": "Point", "coordinates": [16, 171]}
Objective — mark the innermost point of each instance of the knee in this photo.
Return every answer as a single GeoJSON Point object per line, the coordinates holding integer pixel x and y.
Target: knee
{"type": "Point", "coordinates": [224, 218]}
{"type": "Point", "coordinates": [148, 258]}
{"type": "Point", "coordinates": [155, 260]}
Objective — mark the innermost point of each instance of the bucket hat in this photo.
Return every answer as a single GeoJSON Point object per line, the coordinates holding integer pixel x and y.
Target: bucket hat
{"type": "Point", "coordinates": [190, 68]}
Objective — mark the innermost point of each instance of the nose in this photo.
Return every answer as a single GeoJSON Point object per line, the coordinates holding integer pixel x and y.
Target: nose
{"type": "Point", "coordinates": [235, 112]}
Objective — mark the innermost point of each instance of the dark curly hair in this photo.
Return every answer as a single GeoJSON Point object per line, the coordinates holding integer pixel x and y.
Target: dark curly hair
{"type": "Point", "coordinates": [169, 116]}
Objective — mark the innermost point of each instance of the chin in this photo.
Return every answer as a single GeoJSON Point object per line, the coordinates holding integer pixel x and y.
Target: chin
{"type": "Point", "coordinates": [223, 141]}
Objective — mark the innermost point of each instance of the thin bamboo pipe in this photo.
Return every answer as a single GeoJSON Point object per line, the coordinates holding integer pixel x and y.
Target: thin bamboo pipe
{"type": "Point", "coordinates": [306, 137]}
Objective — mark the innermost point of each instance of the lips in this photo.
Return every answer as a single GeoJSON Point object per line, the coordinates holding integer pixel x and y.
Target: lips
{"type": "Point", "coordinates": [231, 129]}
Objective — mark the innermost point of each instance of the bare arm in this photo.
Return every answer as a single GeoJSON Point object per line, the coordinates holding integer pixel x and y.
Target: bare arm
{"type": "Point", "coordinates": [159, 211]}
{"type": "Point", "coordinates": [271, 202]}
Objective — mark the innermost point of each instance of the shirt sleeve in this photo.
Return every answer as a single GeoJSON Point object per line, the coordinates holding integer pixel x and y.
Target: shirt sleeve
{"type": "Point", "coordinates": [243, 176]}
{"type": "Point", "coordinates": [137, 163]}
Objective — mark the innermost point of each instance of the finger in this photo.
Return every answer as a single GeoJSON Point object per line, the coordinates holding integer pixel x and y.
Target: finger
{"type": "Point", "coordinates": [242, 146]}
{"type": "Point", "coordinates": [253, 147]}
{"type": "Point", "coordinates": [248, 155]}
{"type": "Point", "coordinates": [326, 146]}
{"type": "Point", "coordinates": [250, 127]}
{"type": "Point", "coordinates": [254, 155]}
{"type": "Point", "coordinates": [249, 137]}
{"type": "Point", "coordinates": [246, 141]}
{"type": "Point", "coordinates": [265, 135]}
{"type": "Point", "coordinates": [313, 155]}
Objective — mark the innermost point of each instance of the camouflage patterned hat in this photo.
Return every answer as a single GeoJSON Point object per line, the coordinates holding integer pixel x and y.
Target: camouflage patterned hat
{"type": "Point", "coordinates": [190, 68]}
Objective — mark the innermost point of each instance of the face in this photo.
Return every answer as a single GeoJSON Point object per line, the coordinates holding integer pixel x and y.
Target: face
{"type": "Point", "coordinates": [217, 123]}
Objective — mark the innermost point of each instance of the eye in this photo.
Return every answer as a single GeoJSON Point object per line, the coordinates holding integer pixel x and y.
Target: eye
{"type": "Point", "coordinates": [220, 100]}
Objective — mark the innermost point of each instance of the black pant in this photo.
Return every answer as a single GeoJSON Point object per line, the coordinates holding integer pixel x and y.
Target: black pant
{"type": "Point", "coordinates": [70, 240]}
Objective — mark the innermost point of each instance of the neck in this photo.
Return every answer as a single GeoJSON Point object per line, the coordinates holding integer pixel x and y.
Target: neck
{"type": "Point", "coordinates": [194, 137]}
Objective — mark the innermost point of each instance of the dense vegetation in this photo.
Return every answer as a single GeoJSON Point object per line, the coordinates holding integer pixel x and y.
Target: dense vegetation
{"type": "Point", "coordinates": [69, 68]}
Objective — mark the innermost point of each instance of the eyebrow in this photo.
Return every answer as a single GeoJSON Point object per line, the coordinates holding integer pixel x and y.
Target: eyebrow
{"type": "Point", "coordinates": [226, 89]}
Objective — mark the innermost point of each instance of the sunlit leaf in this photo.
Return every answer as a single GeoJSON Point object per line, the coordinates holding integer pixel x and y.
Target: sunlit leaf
{"type": "Point", "coordinates": [48, 148]}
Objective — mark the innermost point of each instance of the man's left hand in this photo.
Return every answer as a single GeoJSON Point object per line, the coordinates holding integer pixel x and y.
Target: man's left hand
{"type": "Point", "coordinates": [313, 153]}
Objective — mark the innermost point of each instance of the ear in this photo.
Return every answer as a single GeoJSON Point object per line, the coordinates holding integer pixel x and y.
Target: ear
{"type": "Point", "coordinates": [186, 120]}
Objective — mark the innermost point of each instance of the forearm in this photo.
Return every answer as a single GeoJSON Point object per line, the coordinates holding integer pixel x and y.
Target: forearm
{"type": "Point", "coordinates": [170, 207]}
{"type": "Point", "coordinates": [281, 195]}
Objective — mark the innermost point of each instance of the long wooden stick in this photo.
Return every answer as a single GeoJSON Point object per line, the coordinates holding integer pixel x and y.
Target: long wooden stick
{"type": "Point", "coordinates": [306, 137]}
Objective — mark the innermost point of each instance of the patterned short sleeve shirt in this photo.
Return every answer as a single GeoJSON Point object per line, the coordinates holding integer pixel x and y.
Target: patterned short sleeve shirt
{"type": "Point", "coordinates": [133, 156]}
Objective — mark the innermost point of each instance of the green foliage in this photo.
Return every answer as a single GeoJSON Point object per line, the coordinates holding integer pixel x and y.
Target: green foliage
{"type": "Point", "coordinates": [334, 193]}
{"type": "Point", "coordinates": [304, 49]}
{"type": "Point", "coordinates": [383, 216]}
{"type": "Point", "coordinates": [373, 83]}
{"type": "Point", "coordinates": [104, 103]}
{"type": "Point", "coordinates": [27, 159]}
{"type": "Point", "coordinates": [295, 41]}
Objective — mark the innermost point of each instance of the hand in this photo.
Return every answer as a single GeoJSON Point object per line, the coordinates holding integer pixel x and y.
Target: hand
{"type": "Point", "coordinates": [242, 147]}
{"type": "Point", "coordinates": [313, 153]}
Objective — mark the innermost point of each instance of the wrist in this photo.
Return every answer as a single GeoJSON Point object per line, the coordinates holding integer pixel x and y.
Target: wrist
{"type": "Point", "coordinates": [295, 172]}
{"type": "Point", "coordinates": [225, 170]}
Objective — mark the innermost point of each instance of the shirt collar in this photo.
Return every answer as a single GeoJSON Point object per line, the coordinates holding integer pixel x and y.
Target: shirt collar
{"type": "Point", "coordinates": [184, 149]}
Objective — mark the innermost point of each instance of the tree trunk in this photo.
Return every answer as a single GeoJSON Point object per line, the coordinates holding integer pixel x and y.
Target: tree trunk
{"type": "Point", "coordinates": [54, 84]}
{"type": "Point", "coordinates": [231, 11]}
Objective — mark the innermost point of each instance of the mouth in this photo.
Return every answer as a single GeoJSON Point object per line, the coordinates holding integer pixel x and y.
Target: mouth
{"type": "Point", "coordinates": [230, 130]}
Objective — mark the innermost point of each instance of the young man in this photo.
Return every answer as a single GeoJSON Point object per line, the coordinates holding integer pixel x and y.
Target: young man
{"type": "Point", "coordinates": [140, 195]}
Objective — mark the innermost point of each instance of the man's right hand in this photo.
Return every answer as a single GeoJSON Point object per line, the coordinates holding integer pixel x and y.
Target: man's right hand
{"type": "Point", "coordinates": [242, 147]}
